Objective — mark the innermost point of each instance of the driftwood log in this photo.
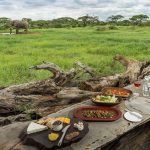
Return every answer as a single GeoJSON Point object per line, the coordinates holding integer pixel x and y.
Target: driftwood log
{"type": "Point", "coordinates": [35, 99]}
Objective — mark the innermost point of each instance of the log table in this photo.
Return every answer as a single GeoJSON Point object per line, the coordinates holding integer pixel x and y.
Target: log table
{"type": "Point", "coordinates": [117, 135]}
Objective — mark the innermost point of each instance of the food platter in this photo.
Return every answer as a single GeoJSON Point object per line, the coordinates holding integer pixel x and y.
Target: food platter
{"type": "Point", "coordinates": [103, 100]}
{"type": "Point", "coordinates": [42, 139]}
{"type": "Point", "coordinates": [100, 113]}
{"type": "Point", "coordinates": [119, 92]}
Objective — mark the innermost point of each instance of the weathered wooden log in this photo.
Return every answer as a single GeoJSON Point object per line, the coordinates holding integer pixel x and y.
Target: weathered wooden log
{"type": "Point", "coordinates": [52, 92]}
{"type": "Point", "coordinates": [135, 70]}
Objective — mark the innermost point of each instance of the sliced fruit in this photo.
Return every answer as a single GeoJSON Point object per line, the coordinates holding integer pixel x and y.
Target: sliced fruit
{"type": "Point", "coordinates": [53, 136]}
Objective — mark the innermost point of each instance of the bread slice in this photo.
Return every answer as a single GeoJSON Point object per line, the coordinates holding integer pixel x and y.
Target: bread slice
{"type": "Point", "coordinates": [34, 127]}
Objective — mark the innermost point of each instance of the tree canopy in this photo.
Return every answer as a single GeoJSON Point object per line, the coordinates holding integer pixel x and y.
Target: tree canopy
{"type": "Point", "coordinates": [138, 19]}
{"type": "Point", "coordinates": [83, 21]}
{"type": "Point", "coordinates": [114, 18]}
{"type": "Point", "coordinates": [88, 20]}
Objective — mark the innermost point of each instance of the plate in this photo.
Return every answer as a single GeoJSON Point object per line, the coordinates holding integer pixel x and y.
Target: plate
{"type": "Point", "coordinates": [78, 113]}
{"type": "Point", "coordinates": [131, 117]}
{"type": "Point", "coordinates": [119, 92]}
{"type": "Point", "coordinates": [101, 103]}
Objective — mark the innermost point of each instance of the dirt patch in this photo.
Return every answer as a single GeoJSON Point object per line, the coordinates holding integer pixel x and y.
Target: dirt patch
{"type": "Point", "coordinates": [34, 33]}
{"type": "Point", "coordinates": [6, 33]}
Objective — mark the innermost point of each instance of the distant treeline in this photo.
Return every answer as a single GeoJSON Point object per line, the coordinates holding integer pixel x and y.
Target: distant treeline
{"type": "Point", "coordinates": [83, 21]}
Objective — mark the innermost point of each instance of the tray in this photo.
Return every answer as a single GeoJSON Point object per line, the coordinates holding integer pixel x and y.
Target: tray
{"type": "Point", "coordinates": [78, 113]}
{"type": "Point", "coordinates": [107, 103]}
{"type": "Point", "coordinates": [41, 141]}
{"type": "Point", "coordinates": [116, 91]}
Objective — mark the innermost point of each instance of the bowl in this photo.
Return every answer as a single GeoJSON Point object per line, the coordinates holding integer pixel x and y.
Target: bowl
{"type": "Point", "coordinates": [104, 103]}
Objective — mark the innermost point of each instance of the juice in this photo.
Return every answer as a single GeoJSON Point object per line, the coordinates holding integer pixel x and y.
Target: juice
{"type": "Point", "coordinates": [137, 84]}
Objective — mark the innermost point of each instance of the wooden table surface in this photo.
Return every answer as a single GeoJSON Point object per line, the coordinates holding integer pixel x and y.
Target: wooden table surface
{"type": "Point", "coordinates": [100, 133]}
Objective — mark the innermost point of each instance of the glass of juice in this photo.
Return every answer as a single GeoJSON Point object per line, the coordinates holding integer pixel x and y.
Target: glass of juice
{"type": "Point", "coordinates": [137, 85]}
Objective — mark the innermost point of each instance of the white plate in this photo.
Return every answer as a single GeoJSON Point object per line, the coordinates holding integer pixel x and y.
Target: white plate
{"type": "Point", "coordinates": [131, 117]}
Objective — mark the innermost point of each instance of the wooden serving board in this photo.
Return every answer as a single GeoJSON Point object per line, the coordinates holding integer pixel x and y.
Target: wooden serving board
{"type": "Point", "coordinates": [41, 141]}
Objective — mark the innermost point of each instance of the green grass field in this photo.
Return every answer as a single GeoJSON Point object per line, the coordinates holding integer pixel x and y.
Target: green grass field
{"type": "Point", "coordinates": [65, 46]}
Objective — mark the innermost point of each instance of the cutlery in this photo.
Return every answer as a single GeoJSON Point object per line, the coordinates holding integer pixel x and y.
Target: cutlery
{"type": "Point", "coordinates": [63, 135]}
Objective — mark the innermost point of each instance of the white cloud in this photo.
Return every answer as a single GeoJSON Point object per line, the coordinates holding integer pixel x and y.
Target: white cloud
{"type": "Point", "coordinates": [49, 9]}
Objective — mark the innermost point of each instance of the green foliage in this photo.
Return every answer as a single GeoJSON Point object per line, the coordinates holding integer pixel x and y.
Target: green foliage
{"type": "Point", "coordinates": [4, 23]}
{"type": "Point", "coordinates": [64, 22]}
{"type": "Point", "coordinates": [83, 21]}
{"type": "Point", "coordinates": [124, 23]}
{"type": "Point", "coordinates": [112, 27]}
{"type": "Point", "coordinates": [101, 28]}
{"type": "Point", "coordinates": [114, 19]}
{"type": "Point", "coordinates": [138, 19]}
{"type": "Point", "coordinates": [88, 21]}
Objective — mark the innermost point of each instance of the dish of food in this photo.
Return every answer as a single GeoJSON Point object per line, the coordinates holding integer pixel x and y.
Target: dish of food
{"type": "Point", "coordinates": [49, 121]}
{"type": "Point", "coordinates": [46, 137]}
{"type": "Point", "coordinates": [106, 100]}
{"type": "Point", "coordinates": [97, 113]}
{"type": "Point", "coordinates": [120, 92]}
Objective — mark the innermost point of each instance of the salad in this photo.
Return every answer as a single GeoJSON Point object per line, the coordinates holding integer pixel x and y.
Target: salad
{"type": "Point", "coordinates": [106, 99]}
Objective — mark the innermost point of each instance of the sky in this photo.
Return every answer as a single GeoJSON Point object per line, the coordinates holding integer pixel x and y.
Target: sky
{"type": "Point", "coordinates": [51, 9]}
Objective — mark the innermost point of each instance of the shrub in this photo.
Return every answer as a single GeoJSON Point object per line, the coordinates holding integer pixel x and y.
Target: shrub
{"type": "Point", "coordinates": [101, 28]}
{"type": "Point", "coordinates": [112, 27]}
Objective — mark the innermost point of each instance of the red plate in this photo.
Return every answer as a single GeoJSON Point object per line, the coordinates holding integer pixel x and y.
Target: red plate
{"type": "Point", "coordinates": [78, 113]}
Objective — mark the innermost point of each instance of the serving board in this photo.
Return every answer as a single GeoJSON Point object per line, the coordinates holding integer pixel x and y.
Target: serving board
{"type": "Point", "coordinates": [78, 113]}
{"type": "Point", "coordinates": [41, 141]}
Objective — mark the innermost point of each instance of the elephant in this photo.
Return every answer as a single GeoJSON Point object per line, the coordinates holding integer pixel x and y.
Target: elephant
{"type": "Point", "coordinates": [19, 24]}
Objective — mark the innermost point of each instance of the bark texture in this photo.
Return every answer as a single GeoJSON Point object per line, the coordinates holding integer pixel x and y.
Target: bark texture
{"type": "Point", "coordinates": [20, 102]}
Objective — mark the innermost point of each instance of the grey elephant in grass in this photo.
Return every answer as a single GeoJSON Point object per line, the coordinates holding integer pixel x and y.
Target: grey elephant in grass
{"type": "Point", "coordinates": [19, 24]}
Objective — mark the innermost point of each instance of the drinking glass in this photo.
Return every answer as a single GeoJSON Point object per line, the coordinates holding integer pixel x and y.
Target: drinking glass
{"type": "Point", "coordinates": [137, 85]}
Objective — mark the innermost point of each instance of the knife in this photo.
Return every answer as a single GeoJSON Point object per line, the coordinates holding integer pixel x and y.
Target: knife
{"type": "Point", "coordinates": [63, 135]}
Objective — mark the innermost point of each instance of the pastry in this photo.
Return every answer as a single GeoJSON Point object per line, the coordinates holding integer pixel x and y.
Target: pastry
{"type": "Point", "coordinates": [71, 135]}
{"type": "Point", "coordinates": [49, 124]}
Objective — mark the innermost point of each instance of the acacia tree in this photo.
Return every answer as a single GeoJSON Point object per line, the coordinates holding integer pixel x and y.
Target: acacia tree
{"type": "Point", "coordinates": [88, 20]}
{"type": "Point", "coordinates": [114, 19]}
{"type": "Point", "coordinates": [138, 19]}
{"type": "Point", "coordinates": [64, 22]}
{"type": "Point", "coordinates": [4, 22]}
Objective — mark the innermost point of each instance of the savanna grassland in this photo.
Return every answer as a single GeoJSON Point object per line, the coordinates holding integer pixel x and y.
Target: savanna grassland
{"type": "Point", "coordinates": [64, 46]}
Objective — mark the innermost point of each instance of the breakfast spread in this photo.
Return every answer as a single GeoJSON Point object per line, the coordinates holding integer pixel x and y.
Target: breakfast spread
{"type": "Point", "coordinates": [63, 130]}
{"type": "Point", "coordinates": [58, 131]}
